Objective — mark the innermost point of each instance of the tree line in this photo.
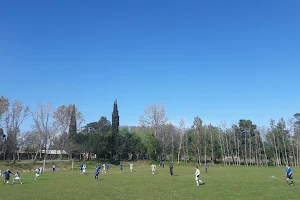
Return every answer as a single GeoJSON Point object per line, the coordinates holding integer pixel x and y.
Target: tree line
{"type": "Point", "coordinates": [154, 138]}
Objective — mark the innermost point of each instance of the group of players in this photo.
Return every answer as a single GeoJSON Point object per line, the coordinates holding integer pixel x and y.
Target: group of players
{"type": "Point", "coordinates": [6, 175]}
{"type": "Point", "coordinates": [289, 173]}
{"type": "Point", "coordinates": [105, 167]}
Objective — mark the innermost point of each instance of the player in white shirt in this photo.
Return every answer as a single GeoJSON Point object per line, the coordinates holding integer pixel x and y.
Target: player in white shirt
{"type": "Point", "coordinates": [41, 169]}
{"type": "Point", "coordinates": [84, 169]}
{"type": "Point", "coordinates": [131, 167]}
{"type": "Point", "coordinates": [17, 177]}
{"type": "Point", "coordinates": [153, 167]}
{"type": "Point", "coordinates": [197, 176]}
{"type": "Point", "coordinates": [37, 173]}
{"type": "Point", "coordinates": [104, 168]}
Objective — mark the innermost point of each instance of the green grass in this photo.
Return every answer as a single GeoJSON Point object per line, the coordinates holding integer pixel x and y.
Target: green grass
{"type": "Point", "coordinates": [221, 183]}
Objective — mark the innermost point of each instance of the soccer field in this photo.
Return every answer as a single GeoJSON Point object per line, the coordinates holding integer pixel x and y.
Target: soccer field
{"type": "Point", "coordinates": [220, 183]}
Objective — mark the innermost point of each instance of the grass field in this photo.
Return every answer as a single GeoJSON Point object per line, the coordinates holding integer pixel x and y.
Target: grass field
{"type": "Point", "coordinates": [220, 183]}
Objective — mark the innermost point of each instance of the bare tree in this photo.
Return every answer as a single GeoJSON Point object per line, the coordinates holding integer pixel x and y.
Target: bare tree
{"type": "Point", "coordinates": [4, 103]}
{"type": "Point", "coordinates": [165, 140]}
{"type": "Point", "coordinates": [13, 120]}
{"type": "Point", "coordinates": [33, 142]}
{"type": "Point", "coordinates": [44, 125]}
{"type": "Point", "coordinates": [290, 140]}
{"type": "Point", "coordinates": [199, 139]}
{"type": "Point", "coordinates": [212, 144]}
{"type": "Point", "coordinates": [263, 134]}
{"type": "Point", "coordinates": [205, 142]}
{"type": "Point", "coordinates": [155, 119]}
{"type": "Point", "coordinates": [297, 136]}
{"type": "Point", "coordinates": [221, 145]}
{"type": "Point", "coordinates": [186, 147]}
{"type": "Point", "coordinates": [181, 136]}
{"type": "Point", "coordinates": [272, 130]}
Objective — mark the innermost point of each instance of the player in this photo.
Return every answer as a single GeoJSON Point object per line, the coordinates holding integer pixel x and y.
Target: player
{"type": "Point", "coordinates": [99, 166]}
{"type": "Point", "coordinates": [7, 176]}
{"type": "Point", "coordinates": [97, 169]}
{"type": "Point", "coordinates": [205, 167]}
{"type": "Point", "coordinates": [37, 173]}
{"type": "Point", "coordinates": [197, 176]}
{"type": "Point", "coordinates": [153, 167]}
{"type": "Point", "coordinates": [121, 167]}
{"type": "Point", "coordinates": [53, 168]}
{"type": "Point", "coordinates": [289, 175]}
{"type": "Point", "coordinates": [17, 177]}
{"type": "Point", "coordinates": [131, 167]}
{"type": "Point", "coordinates": [171, 169]}
{"type": "Point", "coordinates": [104, 168]}
{"type": "Point", "coordinates": [80, 166]}
{"type": "Point", "coordinates": [107, 167]}
{"type": "Point", "coordinates": [84, 169]}
{"type": "Point", "coordinates": [41, 170]}
{"type": "Point", "coordinates": [163, 165]}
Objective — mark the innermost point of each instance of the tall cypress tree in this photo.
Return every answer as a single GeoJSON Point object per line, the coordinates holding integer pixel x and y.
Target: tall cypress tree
{"type": "Point", "coordinates": [73, 123]}
{"type": "Point", "coordinates": [115, 129]}
{"type": "Point", "coordinates": [115, 119]}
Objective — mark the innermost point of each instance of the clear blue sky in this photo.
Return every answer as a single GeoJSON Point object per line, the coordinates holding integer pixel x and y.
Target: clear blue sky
{"type": "Point", "coordinates": [220, 60]}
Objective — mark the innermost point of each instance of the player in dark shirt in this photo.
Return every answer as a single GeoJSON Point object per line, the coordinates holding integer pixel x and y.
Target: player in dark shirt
{"type": "Point", "coordinates": [7, 176]}
{"type": "Point", "coordinates": [97, 173]}
{"type": "Point", "coordinates": [289, 175]}
{"type": "Point", "coordinates": [171, 169]}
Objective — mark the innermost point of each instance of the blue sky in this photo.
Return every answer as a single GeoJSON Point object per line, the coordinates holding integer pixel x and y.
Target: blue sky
{"type": "Point", "coordinates": [220, 60]}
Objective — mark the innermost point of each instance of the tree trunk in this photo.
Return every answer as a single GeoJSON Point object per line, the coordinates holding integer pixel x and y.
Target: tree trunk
{"type": "Point", "coordinates": [220, 139]}
{"type": "Point", "coordinates": [238, 151]}
{"type": "Point", "coordinates": [250, 148]}
{"type": "Point", "coordinates": [205, 158]}
{"type": "Point", "coordinates": [286, 156]}
{"type": "Point", "coordinates": [245, 154]}
{"type": "Point", "coordinates": [266, 159]}
{"type": "Point", "coordinates": [35, 155]}
{"type": "Point", "coordinates": [276, 151]}
{"type": "Point", "coordinates": [187, 149]}
{"type": "Point", "coordinates": [212, 149]}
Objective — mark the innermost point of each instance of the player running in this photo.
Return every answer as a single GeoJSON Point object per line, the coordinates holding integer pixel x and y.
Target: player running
{"type": "Point", "coordinates": [171, 169]}
{"type": "Point", "coordinates": [37, 173]}
{"type": "Point", "coordinates": [84, 169]}
{"type": "Point", "coordinates": [41, 170]}
{"type": "Point", "coordinates": [17, 177]}
{"type": "Point", "coordinates": [131, 167]}
{"type": "Point", "coordinates": [121, 167]}
{"type": "Point", "coordinates": [205, 167]}
{"type": "Point", "coordinates": [97, 169]}
{"type": "Point", "coordinates": [289, 175]}
{"type": "Point", "coordinates": [153, 167]}
{"type": "Point", "coordinates": [104, 168]}
{"type": "Point", "coordinates": [7, 176]}
{"type": "Point", "coordinates": [80, 167]}
{"type": "Point", "coordinates": [53, 168]}
{"type": "Point", "coordinates": [197, 176]}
